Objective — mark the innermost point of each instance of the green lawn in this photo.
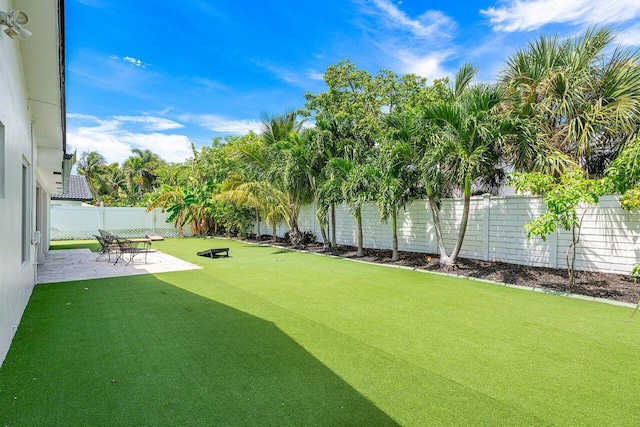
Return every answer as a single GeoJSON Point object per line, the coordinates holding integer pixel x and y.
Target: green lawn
{"type": "Point", "coordinates": [75, 244]}
{"type": "Point", "coordinates": [271, 337]}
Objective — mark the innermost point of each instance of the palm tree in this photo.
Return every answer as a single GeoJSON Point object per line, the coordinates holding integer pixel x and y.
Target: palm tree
{"type": "Point", "coordinates": [277, 171]}
{"type": "Point", "coordinates": [170, 198]}
{"type": "Point", "coordinates": [399, 175]}
{"type": "Point", "coordinates": [140, 170]}
{"type": "Point", "coordinates": [90, 165]}
{"type": "Point", "coordinates": [581, 94]}
{"type": "Point", "coordinates": [356, 183]}
{"type": "Point", "coordinates": [465, 148]}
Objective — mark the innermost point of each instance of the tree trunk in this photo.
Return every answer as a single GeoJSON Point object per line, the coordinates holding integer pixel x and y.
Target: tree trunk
{"type": "Point", "coordinates": [323, 231]}
{"type": "Point", "coordinates": [436, 224]}
{"type": "Point", "coordinates": [575, 239]}
{"type": "Point", "coordinates": [360, 245]}
{"type": "Point", "coordinates": [571, 260]}
{"type": "Point", "coordinates": [274, 233]}
{"type": "Point", "coordinates": [333, 242]}
{"type": "Point", "coordinates": [451, 262]}
{"type": "Point", "coordinates": [322, 221]}
{"type": "Point", "coordinates": [394, 222]}
{"type": "Point", "coordinates": [257, 225]}
{"type": "Point", "coordinates": [294, 233]}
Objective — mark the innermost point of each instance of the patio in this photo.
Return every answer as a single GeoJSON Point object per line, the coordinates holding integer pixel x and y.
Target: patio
{"type": "Point", "coordinates": [67, 265]}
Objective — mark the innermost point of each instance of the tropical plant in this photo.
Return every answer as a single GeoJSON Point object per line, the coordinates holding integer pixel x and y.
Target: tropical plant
{"type": "Point", "coordinates": [623, 177]}
{"type": "Point", "coordinates": [464, 147]}
{"type": "Point", "coordinates": [399, 180]}
{"type": "Point", "coordinates": [276, 176]}
{"type": "Point", "coordinates": [141, 170]}
{"type": "Point", "coordinates": [563, 197]}
{"type": "Point", "coordinates": [356, 182]}
{"type": "Point", "coordinates": [90, 166]}
{"type": "Point", "coordinates": [582, 95]}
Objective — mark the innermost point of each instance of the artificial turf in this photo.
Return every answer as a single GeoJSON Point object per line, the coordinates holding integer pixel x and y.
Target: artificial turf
{"type": "Point", "coordinates": [93, 245]}
{"type": "Point", "coordinates": [273, 337]}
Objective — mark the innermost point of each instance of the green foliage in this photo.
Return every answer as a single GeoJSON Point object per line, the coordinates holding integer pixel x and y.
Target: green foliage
{"type": "Point", "coordinates": [623, 175]}
{"type": "Point", "coordinates": [636, 273]}
{"type": "Point", "coordinates": [631, 199]}
{"type": "Point", "coordinates": [232, 220]}
{"type": "Point", "coordinates": [561, 195]}
{"type": "Point", "coordinates": [581, 94]}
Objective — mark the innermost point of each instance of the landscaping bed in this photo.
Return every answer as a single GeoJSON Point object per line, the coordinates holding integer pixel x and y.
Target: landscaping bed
{"type": "Point", "coordinates": [617, 287]}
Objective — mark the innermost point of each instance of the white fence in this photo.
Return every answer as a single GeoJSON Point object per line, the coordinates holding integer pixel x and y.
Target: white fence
{"type": "Point", "coordinates": [610, 236]}
{"type": "Point", "coordinates": [82, 222]}
{"type": "Point", "coordinates": [610, 239]}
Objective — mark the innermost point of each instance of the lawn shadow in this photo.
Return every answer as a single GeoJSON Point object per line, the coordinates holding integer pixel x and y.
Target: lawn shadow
{"type": "Point", "coordinates": [281, 251]}
{"type": "Point", "coordinates": [140, 351]}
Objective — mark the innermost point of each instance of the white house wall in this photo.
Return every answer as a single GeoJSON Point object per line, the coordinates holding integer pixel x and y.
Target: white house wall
{"type": "Point", "coordinates": [16, 278]}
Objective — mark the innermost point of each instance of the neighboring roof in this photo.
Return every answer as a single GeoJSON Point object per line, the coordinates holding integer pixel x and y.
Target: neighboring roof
{"type": "Point", "coordinates": [78, 190]}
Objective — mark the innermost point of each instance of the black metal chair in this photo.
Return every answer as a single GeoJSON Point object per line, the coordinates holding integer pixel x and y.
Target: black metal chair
{"type": "Point", "coordinates": [106, 248]}
{"type": "Point", "coordinates": [131, 247]}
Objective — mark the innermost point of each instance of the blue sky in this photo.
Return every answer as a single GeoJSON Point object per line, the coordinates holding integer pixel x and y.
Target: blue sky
{"type": "Point", "coordinates": [161, 74]}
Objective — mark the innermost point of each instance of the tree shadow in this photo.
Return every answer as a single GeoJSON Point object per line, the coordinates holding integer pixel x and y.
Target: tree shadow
{"type": "Point", "coordinates": [139, 351]}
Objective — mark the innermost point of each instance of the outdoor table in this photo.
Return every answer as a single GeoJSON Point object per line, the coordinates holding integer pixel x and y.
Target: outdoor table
{"type": "Point", "coordinates": [146, 246]}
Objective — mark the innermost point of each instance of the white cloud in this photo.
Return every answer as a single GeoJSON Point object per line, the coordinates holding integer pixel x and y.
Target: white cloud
{"type": "Point", "coordinates": [527, 15]}
{"type": "Point", "coordinates": [314, 75]}
{"type": "Point", "coordinates": [629, 36]}
{"type": "Point", "coordinates": [429, 66]}
{"type": "Point", "coordinates": [287, 75]}
{"type": "Point", "coordinates": [412, 44]}
{"type": "Point", "coordinates": [151, 123]}
{"type": "Point", "coordinates": [130, 60]}
{"type": "Point", "coordinates": [111, 138]}
{"type": "Point", "coordinates": [210, 84]}
{"type": "Point", "coordinates": [431, 23]}
{"type": "Point", "coordinates": [220, 124]}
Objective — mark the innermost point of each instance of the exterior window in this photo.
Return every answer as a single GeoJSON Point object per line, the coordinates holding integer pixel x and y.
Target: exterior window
{"type": "Point", "coordinates": [2, 161]}
{"type": "Point", "coordinates": [26, 214]}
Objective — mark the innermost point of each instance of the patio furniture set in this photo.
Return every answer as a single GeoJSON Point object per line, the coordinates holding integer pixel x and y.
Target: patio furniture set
{"type": "Point", "coordinates": [119, 246]}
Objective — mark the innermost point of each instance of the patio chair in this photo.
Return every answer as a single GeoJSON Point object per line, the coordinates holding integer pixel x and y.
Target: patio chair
{"type": "Point", "coordinates": [108, 237]}
{"type": "Point", "coordinates": [131, 247]}
{"type": "Point", "coordinates": [106, 248]}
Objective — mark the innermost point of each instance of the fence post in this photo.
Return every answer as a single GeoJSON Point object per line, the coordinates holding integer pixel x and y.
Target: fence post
{"type": "Point", "coordinates": [486, 198]}
{"type": "Point", "coordinates": [313, 217]}
{"type": "Point", "coordinates": [101, 207]}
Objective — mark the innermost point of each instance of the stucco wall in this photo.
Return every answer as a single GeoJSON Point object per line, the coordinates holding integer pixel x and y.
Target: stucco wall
{"type": "Point", "coordinates": [610, 236]}
{"type": "Point", "coordinates": [16, 278]}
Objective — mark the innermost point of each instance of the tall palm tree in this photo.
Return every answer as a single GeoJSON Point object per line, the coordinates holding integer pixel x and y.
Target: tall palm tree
{"type": "Point", "coordinates": [356, 182]}
{"type": "Point", "coordinates": [399, 175]}
{"type": "Point", "coordinates": [278, 170]}
{"type": "Point", "coordinates": [582, 95]}
{"type": "Point", "coordinates": [90, 165]}
{"type": "Point", "coordinates": [470, 127]}
{"type": "Point", "coordinates": [140, 169]}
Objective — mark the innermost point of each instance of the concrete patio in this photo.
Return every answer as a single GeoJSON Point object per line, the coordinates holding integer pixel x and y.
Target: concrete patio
{"type": "Point", "coordinates": [80, 264]}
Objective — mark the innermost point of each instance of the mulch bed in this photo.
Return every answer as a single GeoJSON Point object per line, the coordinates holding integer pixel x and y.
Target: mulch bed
{"type": "Point", "coordinates": [617, 287]}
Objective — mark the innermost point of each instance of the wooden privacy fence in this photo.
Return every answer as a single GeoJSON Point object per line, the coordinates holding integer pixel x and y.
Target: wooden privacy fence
{"type": "Point", "coordinates": [610, 240]}
{"type": "Point", "coordinates": [82, 222]}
